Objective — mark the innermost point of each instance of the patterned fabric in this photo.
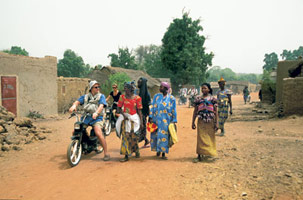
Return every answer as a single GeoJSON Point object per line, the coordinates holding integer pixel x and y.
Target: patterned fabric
{"type": "Point", "coordinates": [130, 106]}
{"type": "Point", "coordinates": [142, 136]}
{"type": "Point", "coordinates": [206, 108]}
{"type": "Point", "coordinates": [129, 141]}
{"type": "Point", "coordinates": [163, 112]}
{"type": "Point", "coordinates": [223, 104]}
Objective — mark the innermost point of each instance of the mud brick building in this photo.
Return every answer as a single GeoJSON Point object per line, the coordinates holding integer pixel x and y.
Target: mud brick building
{"type": "Point", "coordinates": [28, 84]}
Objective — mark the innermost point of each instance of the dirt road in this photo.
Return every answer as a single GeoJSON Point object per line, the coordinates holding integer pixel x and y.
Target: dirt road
{"type": "Point", "coordinates": [260, 159]}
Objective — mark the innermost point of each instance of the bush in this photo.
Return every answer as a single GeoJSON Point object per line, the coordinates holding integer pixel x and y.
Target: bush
{"type": "Point", "coordinates": [119, 79]}
{"type": "Point", "coordinates": [35, 115]}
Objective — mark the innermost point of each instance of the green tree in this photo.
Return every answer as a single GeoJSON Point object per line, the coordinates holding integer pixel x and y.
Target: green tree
{"type": "Point", "coordinates": [72, 65]}
{"type": "Point", "coordinates": [118, 78]}
{"type": "Point", "coordinates": [253, 78]}
{"type": "Point", "coordinates": [149, 60]}
{"type": "Point", "coordinates": [17, 51]}
{"type": "Point", "coordinates": [292, 55]}
{"type": "Point", "coordinates": [87, 70]}
{"type": "Point", "coordinates": [216, 72]}
{"type": "Point", "coordinates": [183, 54]}
{"type": "Point", "coordinates": [271, 61]}
{"type": "Point", "coordinates": [123, 59]}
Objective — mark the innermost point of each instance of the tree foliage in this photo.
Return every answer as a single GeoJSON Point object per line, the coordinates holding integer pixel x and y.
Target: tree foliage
{"type": "Point", "coordinates": [271, 61]}
{"type": "Point", "coordinates": [292, 55]}
{"type": "Point", "coordinates": [17, 51]}
{"type": "Point", "coordinates": [123, 59]}
{"type": "Point", "coordinates": [118, 78]}
{"type": "Point", "coordinates": [72, 65]}
{"type": "Point", "coordinates": [183, 54]}
{"type": "Point", "coordinates": [149, 60]}
{"type": "Point", "coordinates": [215, 73]}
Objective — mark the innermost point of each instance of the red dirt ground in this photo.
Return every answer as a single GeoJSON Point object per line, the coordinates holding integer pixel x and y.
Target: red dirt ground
{"type": "Point", "coordinates": [259, 159]}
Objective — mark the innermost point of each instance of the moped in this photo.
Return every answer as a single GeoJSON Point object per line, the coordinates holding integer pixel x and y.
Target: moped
{"type": "Point", "coordinates": [82, 143]}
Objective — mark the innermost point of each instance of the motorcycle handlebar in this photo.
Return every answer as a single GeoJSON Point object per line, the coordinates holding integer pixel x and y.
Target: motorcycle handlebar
{"type": "Point", "coordinates": [75, 113]}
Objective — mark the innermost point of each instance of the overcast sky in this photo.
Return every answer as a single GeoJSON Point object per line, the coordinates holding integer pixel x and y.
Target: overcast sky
{"type": "Point", "coordinates": [239, 32]}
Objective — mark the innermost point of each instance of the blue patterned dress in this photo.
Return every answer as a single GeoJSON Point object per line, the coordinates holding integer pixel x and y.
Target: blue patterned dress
{"type": "Point", "coordinates": [163, 112]}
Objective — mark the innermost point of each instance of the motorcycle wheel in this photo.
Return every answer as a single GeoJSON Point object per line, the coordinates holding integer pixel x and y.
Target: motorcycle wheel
{"type": "Point", "coordinates": [107, 127]}
{"type": "Point", "coordinates": [74, 153]}
{"type": "Point", "coordinates": [99, 148]}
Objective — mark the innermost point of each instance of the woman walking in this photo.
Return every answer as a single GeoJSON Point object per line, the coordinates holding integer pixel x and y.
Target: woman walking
{"type": "Point", "coordinates": [163, 112]}
{"type": "Point", "coordinates": [206, 110]}
{"type": "Point", "coordinates": [129, 121]}
{"type": "Point", "coordinates": [145, 96]}
{"type": "Point", "coordinates": [224, 101]}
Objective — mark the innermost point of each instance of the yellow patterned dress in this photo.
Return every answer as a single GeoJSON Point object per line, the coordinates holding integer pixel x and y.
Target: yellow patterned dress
{"type": "Point", "coordinates": [223, 104]}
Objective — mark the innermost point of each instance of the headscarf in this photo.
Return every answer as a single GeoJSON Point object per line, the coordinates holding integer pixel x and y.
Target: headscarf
{"type": "Point", "coordinates": [144, 94]}
{"type": "Point", "coordinates": [209, 87]}
{"type": "Point", "coordinates": [166, 85]}
{"type": "Point", "coordinates": [221, 80]}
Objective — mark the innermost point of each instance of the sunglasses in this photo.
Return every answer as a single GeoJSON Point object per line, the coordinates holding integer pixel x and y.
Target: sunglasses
{"type": "Point", "coordinates": [97, 87]}
{"type": "Point", "coordinates": [114, 87]}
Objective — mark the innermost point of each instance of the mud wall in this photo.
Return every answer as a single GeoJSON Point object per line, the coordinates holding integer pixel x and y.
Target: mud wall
{"type": "Point", "coordinates": [293, 95]}
{"type": "Point", "coordinates": [282, 72]}
{"type": "Point", "coordinates": [69, 90]}
{"type": "Point", "coordinates": [36, 82]}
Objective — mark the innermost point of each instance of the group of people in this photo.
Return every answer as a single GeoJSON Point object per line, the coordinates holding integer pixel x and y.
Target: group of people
{"type": "Point", "coordinates": [191, 93]}
{"type": "Point", "coordinates": [133, 110]}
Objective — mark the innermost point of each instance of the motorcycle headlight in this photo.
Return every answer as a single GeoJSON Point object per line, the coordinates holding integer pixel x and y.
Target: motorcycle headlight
{"type": "Point", "coordinates": [77, 126]}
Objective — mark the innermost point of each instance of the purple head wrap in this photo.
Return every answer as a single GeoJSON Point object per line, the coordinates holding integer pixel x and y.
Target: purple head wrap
{"type": "Point", "coordinates": [165, 84]}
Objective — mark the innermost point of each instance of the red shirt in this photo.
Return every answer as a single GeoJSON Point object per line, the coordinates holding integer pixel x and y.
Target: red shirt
{"type": "Point", "coordinates": [130, 106]}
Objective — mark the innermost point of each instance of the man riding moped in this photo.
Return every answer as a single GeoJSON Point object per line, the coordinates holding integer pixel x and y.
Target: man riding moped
{"type": "Point", "coordinates": [93, 103]}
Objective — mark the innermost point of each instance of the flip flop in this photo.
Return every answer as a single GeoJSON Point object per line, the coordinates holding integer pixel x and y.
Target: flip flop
{"type": "Point", "coordinates": [145, 146]}
{"type": "Point", "coordinates": [106, 158]}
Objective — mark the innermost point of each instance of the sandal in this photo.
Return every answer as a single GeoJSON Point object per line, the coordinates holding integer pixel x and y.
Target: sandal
{"type": "Point", "coordinates": [124, 159]}
{"type": "Point", "coordinates": [106, 158]}
{"type": "Point", "coordinates": [158, 154]}
{"type": "Point", "coordinates": [164, 157]}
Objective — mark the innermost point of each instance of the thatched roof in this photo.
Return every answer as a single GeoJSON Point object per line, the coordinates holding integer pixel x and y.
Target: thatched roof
{"type": "Point", "coordinates": [296, 69]}
{"type": "Point", "coordinates": [133, 74]}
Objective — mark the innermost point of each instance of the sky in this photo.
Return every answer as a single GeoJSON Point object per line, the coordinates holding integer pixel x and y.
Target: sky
{"type": "Point", "coordinates": [239, 32]}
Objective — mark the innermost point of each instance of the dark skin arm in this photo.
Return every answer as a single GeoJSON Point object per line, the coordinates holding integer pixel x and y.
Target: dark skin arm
{"type": "Point", "coordinates": [217, 118]}
{"type": "Point", "coordinates": [140, 116]}
{"type": "Point", "coordinates": [230, 104]}
{"type": "Point", "coordinates": [119, 110]}
{"type": "Point", "coordinates": [193, 126]}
